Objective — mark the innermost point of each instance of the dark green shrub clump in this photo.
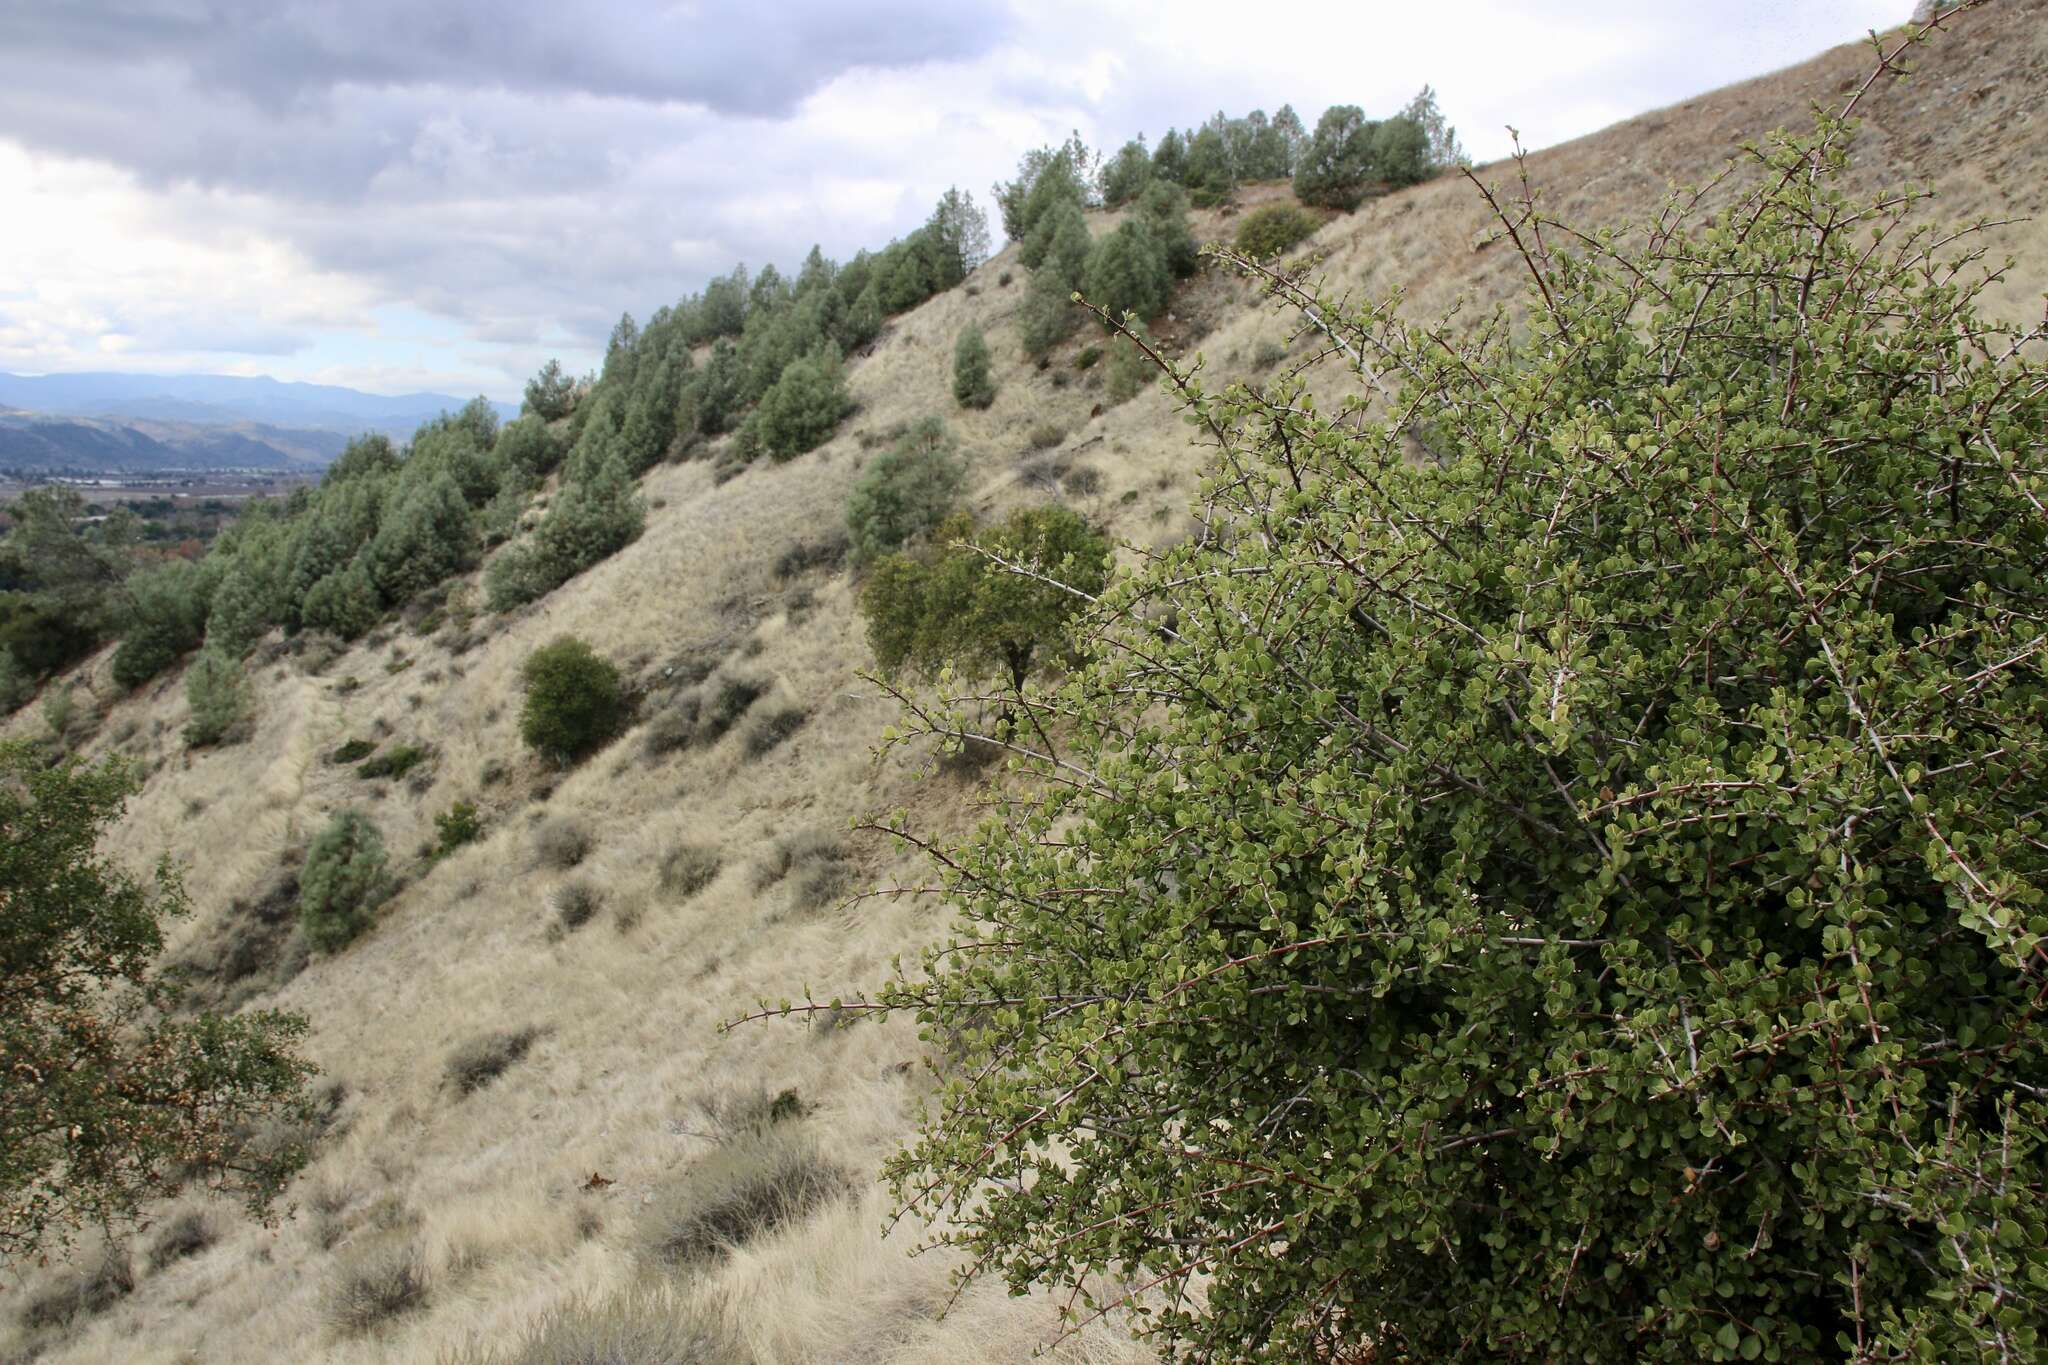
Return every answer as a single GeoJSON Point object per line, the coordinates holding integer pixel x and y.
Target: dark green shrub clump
{"type": "Point", "coordinates": [458, 825]}
{"type": "Point", "coordinates": [396, 761]}
{"type": "Point", "coordinates": [352, 751]}
{"type": "Point", "coordinates": [574, 701]}
{"type": "Point", "coordinates": [344, 880]}
{"type": "Point", "coordinates": [218, 693]}
{"type": "Point", "coordinates": [1272, 230]}
{"type": "Point", "coordinates": [1580, 894]}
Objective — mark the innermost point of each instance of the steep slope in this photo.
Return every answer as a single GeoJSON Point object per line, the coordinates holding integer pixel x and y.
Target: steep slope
{"type": "Point", "coordinates": [629, 1078]}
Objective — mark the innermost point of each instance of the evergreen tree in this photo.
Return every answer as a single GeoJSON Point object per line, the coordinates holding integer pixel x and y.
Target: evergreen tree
{"type": "Point", "coordinates": [1333, 170]}
{"type": "Point", "coordinates": [974, 385]}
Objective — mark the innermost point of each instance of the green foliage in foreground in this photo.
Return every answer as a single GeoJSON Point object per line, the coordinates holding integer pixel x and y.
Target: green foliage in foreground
{"type": "Point", "coordinates": [992, 604]}
{"type": "Point", "coordinates": [1575, 897]}
{"type": "Point", "coordinates": [573, 700]}
{"type": "Point", "coordinates": [344, 881]}
{"type": "Point", "coordinates": [108, 1102]}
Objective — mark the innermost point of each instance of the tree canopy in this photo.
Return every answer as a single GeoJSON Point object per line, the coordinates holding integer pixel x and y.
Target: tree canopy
{"type": "Point", "coordinates": [110, 1101]}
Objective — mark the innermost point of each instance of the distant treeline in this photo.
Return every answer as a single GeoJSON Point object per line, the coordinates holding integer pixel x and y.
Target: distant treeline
{"type": "Point", "coordinates": [757, 357]}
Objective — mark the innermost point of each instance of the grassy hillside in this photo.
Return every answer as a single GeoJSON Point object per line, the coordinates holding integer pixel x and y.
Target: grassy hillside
{"type": "Point", "coordinates": [568, 1176]}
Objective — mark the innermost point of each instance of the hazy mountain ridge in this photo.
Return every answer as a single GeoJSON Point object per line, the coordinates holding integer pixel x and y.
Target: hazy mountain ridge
{"type": "Point", "coordinates": [202, 421]}
{"type": "Point", "coordinates": [33, 442]}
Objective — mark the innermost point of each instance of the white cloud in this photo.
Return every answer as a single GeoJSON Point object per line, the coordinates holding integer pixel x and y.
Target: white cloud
{"type": "Point", "coordinates": [508, 185]}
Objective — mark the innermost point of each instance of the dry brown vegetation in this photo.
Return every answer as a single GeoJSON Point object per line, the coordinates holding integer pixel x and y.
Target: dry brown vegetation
{"type": "Point", "coordinates": [503, 1208]}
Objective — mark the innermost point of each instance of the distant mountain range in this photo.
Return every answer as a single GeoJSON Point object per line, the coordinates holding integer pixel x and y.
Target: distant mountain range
{"type": "Point", "coordinates": [131, 423]}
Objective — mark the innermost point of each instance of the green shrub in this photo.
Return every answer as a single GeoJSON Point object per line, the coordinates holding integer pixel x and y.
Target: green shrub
{"type": "Point", "coordinates": [905, 491]}
{"type": "Point", "coordinates": [1273, 229]}
{"type": "Point", "coordinates": [219, 697]}
{"type": "Point", "coordinates": [1575, 897]}
{"type": "Point", "coordinates": [458, 825]}
{"type": "Point", "coordinates": [396, 761]}
{"type": "Point", "coordinates": [1130, 369]}
{"type": "Point", "coordinates": [753, 1183]}
{"type": "Point", "coordinates": [574, 701]}
{"type": "Point", "coordinates": [484, 1058]}
{"type": "Point", "coordinates": [728, 703]}
{"type": "Point", "coordinates": [352, 751]}
{"type": "Point", "coordinates": [956, 606]}
{"type": "Point", "coordinates": [687, 869]}
{"type": "Point", "coordinates": [974, 386]}
{"type": "Point", "coordinates": [344, 880]}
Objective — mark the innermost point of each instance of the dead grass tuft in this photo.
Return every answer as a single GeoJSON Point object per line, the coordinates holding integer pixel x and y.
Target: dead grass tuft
{"type": "Point", "coordinates": [764, 1178]}
{"type": "Point", "coordinates": [687, 869]}
{"type": "Point", "coordinates": [562, 843]}
{"type": "Point", "coordinates": [481, 1060]}
{"type": "Point", "coordinates": [377, 1286]}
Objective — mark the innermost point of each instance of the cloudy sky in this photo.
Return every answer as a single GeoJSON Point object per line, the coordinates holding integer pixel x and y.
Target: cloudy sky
{"type": "Point", "coordinates": [402, 194]}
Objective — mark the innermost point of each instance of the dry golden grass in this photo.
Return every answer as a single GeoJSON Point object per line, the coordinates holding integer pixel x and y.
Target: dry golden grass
{"type": "Point", "coordinates": [525, 1197]}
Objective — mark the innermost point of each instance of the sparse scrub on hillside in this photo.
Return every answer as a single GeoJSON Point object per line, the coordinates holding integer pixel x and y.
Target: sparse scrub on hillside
{"type": "Point", "coordinates": [905, 491]}
{"type": "Point", "coordinates": [374, 1287]}
{"type": "Point", "coordinates": [825, 551]}
{"type": "Point", "coordinates": [217, 690]}
{"type": "Point", "coordinates": [687, 869]}
{"type": "Point", "coordinates": [1537, 989]}
{"type": "Point", "coordinates": [574, 700]}
{"type": "Point", "coordinates": [344, 880]}
{"type": "Point", "coordinates": [182, 1237]}
{"type": "Point", "coordinates": [74, 1295]}
{"type": "Point", "coordinates": [754, 1183]}
{"type": "Point", "coordinates": [775, 728]}
{"type": "Point", "coordinates": [484, 1058]}
{"type": "Point", "coordinates": [816, 865]}
{"type": "Point", "coordinates": [576, 903]}
{"type": "Point", "coordinates": [643, 1326]}
{"type": "Point", "coordinates": [562, 843]}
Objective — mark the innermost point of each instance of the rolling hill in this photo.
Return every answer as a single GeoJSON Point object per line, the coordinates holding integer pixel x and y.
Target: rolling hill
{"type": "Point", "coordinates": [545, 1188]}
